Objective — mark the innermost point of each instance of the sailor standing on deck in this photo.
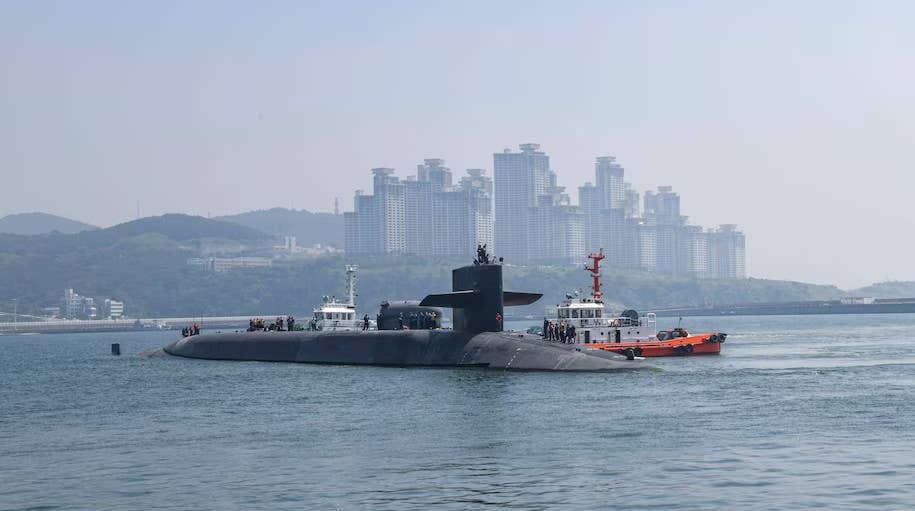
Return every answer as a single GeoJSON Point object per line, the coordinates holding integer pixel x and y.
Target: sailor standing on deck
{"type": "Point", "coordinates": [546, 326]}
{"type": "Point", "coordinates": [365, 322]}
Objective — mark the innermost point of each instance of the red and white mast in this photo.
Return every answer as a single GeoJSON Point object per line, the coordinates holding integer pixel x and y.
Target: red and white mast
{"type": "Point", "coordinates": [595, 273]}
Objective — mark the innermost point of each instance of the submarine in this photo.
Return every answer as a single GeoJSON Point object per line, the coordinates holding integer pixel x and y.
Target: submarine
{"type": "Point", "coordinates": [476, 340]}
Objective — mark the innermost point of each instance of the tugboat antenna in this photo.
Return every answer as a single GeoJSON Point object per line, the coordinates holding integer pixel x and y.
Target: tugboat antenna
{"type": "Point", "coordinates": [595, 273]}
{"type": "Point", "coordinates": [351, 270]}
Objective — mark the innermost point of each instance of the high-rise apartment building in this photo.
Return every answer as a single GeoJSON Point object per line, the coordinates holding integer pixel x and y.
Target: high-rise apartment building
{"type": "Point", "coordinates": [377, 223]}
{"type": "Point", "coordinates": [433, 170]}
{"type": "Point", "coordinates": [663, 208]}
{"type": "Point", "coordinates": [462, 217]}
{"type": "Point", "coordinates": [420, 192]}
{"type": "Point", "coordinates": [520, 179]}
{"type": "Point", "coordinates": [555, 230]}
{"type": "Point", "coordinates": [390, 205]}
{"type": "Point", "coordinates": [360, 226]}
{"type": "Point", "coordinates": [609, 178]}
{"type": "Point", "coordinates": [478, 193]}
{"type": "Point", "coordinates": [606, 207]}
{"type": "Point", "coordinates": [596, 231]}
{"type": "Point", "coordinates": [526, 218]}
{"type": "Point", "coordinates": [727, 252]}
{"type": "Point", "coordinates": [664, 205]}
{"type": "Point", "coordinates": [423, 215]}
{"type": "Point", "coordinates": [695, 242]}
{"type": "Point", "coordinates": [631, 203]}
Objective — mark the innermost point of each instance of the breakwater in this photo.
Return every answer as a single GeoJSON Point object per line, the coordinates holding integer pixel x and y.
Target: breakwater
{"type": "Point", "coordinates": [877, 306]}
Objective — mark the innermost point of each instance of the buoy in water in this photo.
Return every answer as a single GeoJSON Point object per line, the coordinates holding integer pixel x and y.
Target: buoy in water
{"type": "Point", "coordinates": [116, 349]}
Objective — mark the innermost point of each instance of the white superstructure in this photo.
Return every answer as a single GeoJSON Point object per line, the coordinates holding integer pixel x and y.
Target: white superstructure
{"type": "Point", "coordinates": [334, 315]}
{"type": "Point", "coordinates": [591, 323]}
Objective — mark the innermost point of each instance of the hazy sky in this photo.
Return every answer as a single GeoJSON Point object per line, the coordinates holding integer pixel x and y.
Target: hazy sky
{"type": "Point", "coordinates": [792, 119]}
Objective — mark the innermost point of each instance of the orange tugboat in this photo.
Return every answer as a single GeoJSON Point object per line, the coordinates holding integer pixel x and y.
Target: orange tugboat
{"type": "Point", "coordinates": [582, 321]}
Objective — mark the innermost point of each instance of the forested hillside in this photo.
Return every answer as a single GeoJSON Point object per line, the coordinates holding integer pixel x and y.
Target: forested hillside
{"type": "Point", "coordinates": [41, 223]}
{"type": "Point", "coordinates": [889, 289]}
{"type": "Point", "coordinates": [308, 228]}
{"type": "Point", "coordinates": [144, 263]}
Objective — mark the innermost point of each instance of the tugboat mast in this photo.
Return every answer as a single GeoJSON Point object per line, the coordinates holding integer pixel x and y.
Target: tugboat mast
{"type": "Point", "coordinates": [595, 273]}
{"type": "Point", "coordinates": [351, 270]}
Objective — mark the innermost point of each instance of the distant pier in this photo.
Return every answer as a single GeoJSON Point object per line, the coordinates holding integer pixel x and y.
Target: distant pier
{"type": "Point", "coordinates": [123, 325]}
{"type": "Point", "coordinates": [845, 306]}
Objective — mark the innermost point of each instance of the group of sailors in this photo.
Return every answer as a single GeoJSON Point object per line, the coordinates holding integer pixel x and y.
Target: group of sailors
{"type": "Point", "coordinates": [278, 325]}
{"type": "Point", "coordinates": [190, 330]}
{"type": "Point", "coordinates": [558, 331]}
{"type": "Point", "coordinates": [413, 321]}
{"type": "Point", "coordinates": [483, 256]}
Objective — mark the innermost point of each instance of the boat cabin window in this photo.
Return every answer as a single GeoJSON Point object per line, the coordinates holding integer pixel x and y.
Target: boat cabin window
{"type": "Point", "coordinates": [574, 313]}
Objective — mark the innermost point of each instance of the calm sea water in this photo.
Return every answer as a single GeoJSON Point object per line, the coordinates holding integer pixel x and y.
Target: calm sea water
{"type": "Point", "coordinates": [797, 413]}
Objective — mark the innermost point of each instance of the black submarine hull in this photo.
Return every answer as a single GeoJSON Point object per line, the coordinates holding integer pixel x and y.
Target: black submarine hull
{"type": "Point", "coordinates": [403, 348]}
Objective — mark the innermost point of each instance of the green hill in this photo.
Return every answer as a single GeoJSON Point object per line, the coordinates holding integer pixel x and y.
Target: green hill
{"type": "Point", "coordinates": [889, 289]}
{"type": "Point", "coordinates": [41, 223]}
{"type": "Point", "coordinates": [179, 228]}
{"type": "Point", "coordinates": [170, 228]}
{"type": "Point", "coordinates": [308, 228]}
{"type": "Point", "coordinates": [140, 261]}
{"type": "Point", "coordinates": [144, 263]}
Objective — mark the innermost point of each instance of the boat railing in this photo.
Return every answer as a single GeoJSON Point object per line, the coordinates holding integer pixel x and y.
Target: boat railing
{"type": "Point", "coordinates": [651, 321]}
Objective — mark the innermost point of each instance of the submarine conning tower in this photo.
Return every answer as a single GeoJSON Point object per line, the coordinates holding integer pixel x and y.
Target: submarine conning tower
{"type": "Point", "coordinates": [477, 297]}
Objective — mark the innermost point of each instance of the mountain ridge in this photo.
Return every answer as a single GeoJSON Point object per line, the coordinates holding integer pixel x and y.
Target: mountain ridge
{"type": "Point", "coordinates": [887, 289]}
{"type": "Point", "coordinates": [38, 222]}
{"type": "Point", "coordinates": [308, 228]}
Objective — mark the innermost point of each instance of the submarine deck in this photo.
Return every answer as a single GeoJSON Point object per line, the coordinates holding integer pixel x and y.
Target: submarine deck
{"type": "Point", "coordinates": [403, 348]}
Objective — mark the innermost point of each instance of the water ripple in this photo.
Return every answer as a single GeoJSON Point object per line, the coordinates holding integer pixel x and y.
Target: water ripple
{"type": "Point", "coordinates": [797, 413]}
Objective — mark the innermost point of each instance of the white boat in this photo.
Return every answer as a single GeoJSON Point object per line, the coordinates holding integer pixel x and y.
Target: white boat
{"type": "Point", "coordinates": [334, 315]}
{"type": "Point", "coordinates": [591, 321]}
